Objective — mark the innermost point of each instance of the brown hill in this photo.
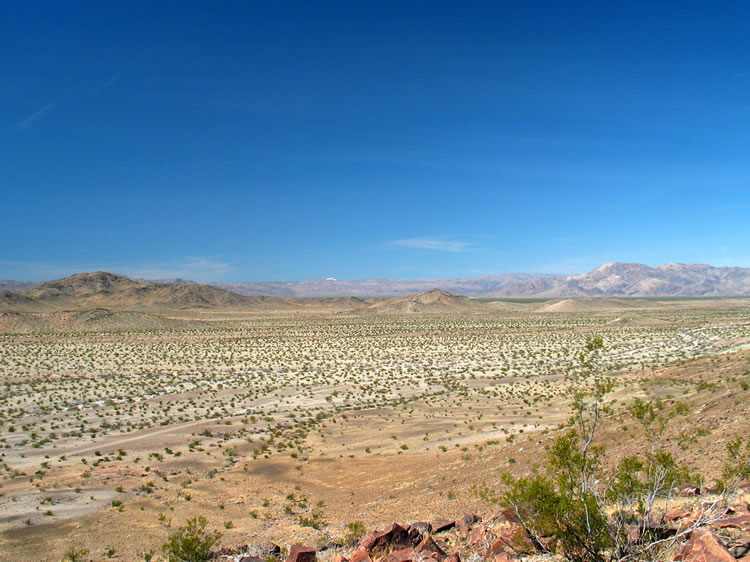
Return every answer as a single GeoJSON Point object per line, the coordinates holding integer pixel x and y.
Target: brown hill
{"type": "Point", "coordinates": [434, 301]}
{"type": "Point", "coordinates": [107, 290]}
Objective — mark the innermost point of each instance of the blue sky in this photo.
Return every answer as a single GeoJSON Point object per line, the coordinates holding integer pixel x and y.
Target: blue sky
{"type": "Point", "coordinates": [248, 141]}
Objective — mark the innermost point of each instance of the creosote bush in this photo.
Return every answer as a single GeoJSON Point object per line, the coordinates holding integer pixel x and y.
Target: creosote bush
{"type": "Point", "coordinates": [574, 508]}
{"type": "Point", "coordinates": [191, 542]}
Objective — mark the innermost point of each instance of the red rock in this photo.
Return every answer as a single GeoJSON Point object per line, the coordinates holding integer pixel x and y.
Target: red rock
{"type": "Point", "coordinates": [418, 530]}
{"type": "Point", "coordinates": [478, 535]}
{"type": "Point", "coordinates": [393, 538]}
{"type": "Point", "coordinates": [403, 555]}
{"type": "Point", "coordinates": [340, 558]}
{"type": "Point", "coordinates": [687, 490]}
{"type": "Point", "coordinates": [738, 522]}
{"type": "Point", "coordinates": [360, 555]}
{"type": "Point", "coordinates": [440, 525]}
{"type": "Point", "coordinates": [504, 557]}
{"type": "Point", "coordinates": [497, 547]}
{"type": "Point", "coordinates": [299, 553]}
{"type": "Point", "coordinates": [676, 513]}
{"type": "Point", "coordinates": [703, 547]}
{"type": "Point", "coordinates": [515, 541]}
{"type": "Point", "coordinates": [471, 519]}
{"type": "Point", "coordinates": [429, 545]}
{"type": "Point", "coordinates": [453, 558]}
{"type": "Point", "coordinates": [507, 515]}
{"type": "Point", "coordinates": [368, 540]}
{"type": "Point", "coordinates": [740, 548]}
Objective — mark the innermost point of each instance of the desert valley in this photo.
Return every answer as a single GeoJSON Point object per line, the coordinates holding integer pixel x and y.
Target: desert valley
{"type": "Point", "coordinates": [128, 407]}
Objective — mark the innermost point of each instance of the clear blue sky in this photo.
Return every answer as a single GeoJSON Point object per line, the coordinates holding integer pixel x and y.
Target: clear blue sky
{"type": "Point", "coordinates": [246, 141]}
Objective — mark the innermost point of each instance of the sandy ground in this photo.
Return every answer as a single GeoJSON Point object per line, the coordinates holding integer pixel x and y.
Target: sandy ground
{"type": "Point", "coordinates": [374, 420]}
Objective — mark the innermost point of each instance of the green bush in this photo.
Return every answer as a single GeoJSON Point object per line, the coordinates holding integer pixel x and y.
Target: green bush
{"type": "Point", "coordinates": [191, 542]}
{"type": "Point", "coordinates": [592, 516]}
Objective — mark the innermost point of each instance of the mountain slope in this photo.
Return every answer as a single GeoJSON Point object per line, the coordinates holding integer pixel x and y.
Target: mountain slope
{"type": "Point", "coordinates": [638, 280]}
{"type": "Point", "coordinates": [434, 301]}
{"type": "Point", "coordinates": [379, 287]}
{"type": "Point", "coordinates": [107, 290]}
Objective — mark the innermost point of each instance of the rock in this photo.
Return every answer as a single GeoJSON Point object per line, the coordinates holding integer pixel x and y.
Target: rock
{"type": "Point", "coordinates": [676, 513]}
{"type": "Point", "coordinates": [403, 555]}
{"type": "Point", "coordinates": [440, 525]}
{"type": "Point", "coordinates": [368, 540]}
{"type": "Point", "coordinates": [453, 558]}
{"type": "Point", "coordinates": [478, 534]}
{"type": "Point", "coordinates": [340, 558]}
{"type": "Point", "coordinates": [360, 555]}
{"type": "Point", "coordinates": [740, 549]}
{"type": "Point", "coordinates": [703, 547]}
{"type": "Point", "coordinates": [515, 541]}
{"type": "Point", "coordinates": [504, 557]}
{"type": "Point", "coordinates": [737, 522]}
{"type": "Point", "coordinates": [506, 515]}
{"type": "Point", "coordinates": [265, 550]}
{"type": "Point", "coordinates": [383, 542]}
{"type": "Point", "coordinates": [497, 547]}
{"type": "Point", "coordinates": [470, 519]}
{"type": "Point", "coordinates": [429, 545]}
{"type": "Point", "coordinates": [687, 490]}
{"type": "Point", "coordinates": [299, 553]}
{"type": "Point", "coordinates": [252, 559]}
{"type": "Point", "coordinates": [417, 531]}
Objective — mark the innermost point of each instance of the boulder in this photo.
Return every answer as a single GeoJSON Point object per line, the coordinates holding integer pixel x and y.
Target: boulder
{"type": "Point", "coordinates": [417, 531]}
{"type": "Point", "coordinates": [299, 553]}
{"type": "Point", "coordinates": [703, 547]}
{"type": "Point", "coordinates": [676, 513]}
{"type": "Point", "coordinates": [394, 538]}
{"type": "Point", "coordinates": [264, 551]}
{"type": "Point", "coordinates": [471, 519]}
{"type": "Point", "coordinates": [360, 554]}
{"type": "Point", "coordinates": [478, 534]}
{"type": "Point", "coordinates": [505, 516]}
{"type": "Point", "coordinates": [687, 490]}
{"type": "Point", "coordinates": [737, 522]}
{"type": "Point", "coordinates": [440, 525]}
{"type": "Point", "coordinates": [453, 558]}
{"type": "Point", "coordinates": [514, 541]}
{"type": "Point", "coordinates": [403, 555]}
{"type": "Point", "coordinates": [429, 545]}
{"type": "Point", "coordinates": [740, 549]}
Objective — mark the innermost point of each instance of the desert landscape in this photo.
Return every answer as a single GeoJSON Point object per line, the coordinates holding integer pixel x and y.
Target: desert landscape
{"type": "Point", "coordinates": [129, 408]}
{"type": "Point", "coordinates": [341, 281]}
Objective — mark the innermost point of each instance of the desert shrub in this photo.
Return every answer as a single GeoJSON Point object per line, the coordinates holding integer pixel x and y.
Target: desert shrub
{"type": "Point", "coordinates": [74, 554]}
{"type": "Point", "coordinates": [594, 517]}
{"type": "Point", "coordinates": [191, 542]}
{"type": "Point", "coordinates": [355, 530]}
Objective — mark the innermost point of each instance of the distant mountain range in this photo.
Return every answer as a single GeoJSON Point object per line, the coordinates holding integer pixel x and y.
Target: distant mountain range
{"type": "Point", "coordinates": [609, 280]}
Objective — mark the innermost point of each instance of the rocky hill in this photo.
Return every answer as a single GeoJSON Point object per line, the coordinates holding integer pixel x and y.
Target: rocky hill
{"type": "Point", "coordinates": [434, 301]}
{"type": "Point", "coordinates": [638, 280]}
{"type": "Point", "coordinates": [107, 290]}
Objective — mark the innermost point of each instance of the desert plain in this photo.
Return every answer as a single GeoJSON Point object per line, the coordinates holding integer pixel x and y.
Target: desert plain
{"type": "Point", "coordinates": [288, 423]}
